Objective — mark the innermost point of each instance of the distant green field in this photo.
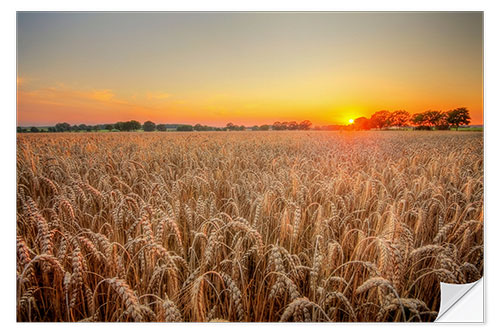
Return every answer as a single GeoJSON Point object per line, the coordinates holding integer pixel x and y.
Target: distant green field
{"type": "Point", "coordinates": [473, 129]}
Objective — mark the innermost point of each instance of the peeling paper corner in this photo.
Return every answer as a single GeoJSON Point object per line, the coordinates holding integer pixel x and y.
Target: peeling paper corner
{"type": "Point", "coordinates": [461, 303]}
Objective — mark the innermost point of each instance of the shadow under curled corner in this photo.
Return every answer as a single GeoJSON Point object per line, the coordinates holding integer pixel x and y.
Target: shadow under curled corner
{"type": "Point", "coordinates": [461, 303]}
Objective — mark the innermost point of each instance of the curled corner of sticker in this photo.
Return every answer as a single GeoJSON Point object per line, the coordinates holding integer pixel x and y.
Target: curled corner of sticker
{"type": "Point", "coordinates": [461, 303]}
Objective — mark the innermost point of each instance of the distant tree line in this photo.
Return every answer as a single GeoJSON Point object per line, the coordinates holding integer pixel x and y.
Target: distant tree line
{"type": "Point", "coordinates": [149, 126]}
{"type": "Point", "coordinates": [427, 120]}
{"type": "Point", "coordinates": [63, 127]}
{"type": "Point", "coordinates": [292, 126]}
{"type": "Point", "coordinates": [121, 126]}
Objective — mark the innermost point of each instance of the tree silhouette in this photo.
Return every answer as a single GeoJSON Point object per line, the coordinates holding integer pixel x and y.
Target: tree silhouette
{"type": "Point", "coordinates": [131, 125]}
{"type": "Point", "coordinates": [419, 121]}
{"type": "Point", "coordinates": [433, 118]}
{"type": "Point", "coordinates": [134, 125]}
{"type": "Point", "coordinates": [149, 126]}
{"type": "Point", "coordinates": [81, 127]}
{"type": "Point", "coordinates": [305, 125]}
{"type": "Point", "coordinates": [119, 126]}
{"type": "Point", "coordinates": [63, 127]}
{"type": "Point", "coordinates": [277, 126]}
{"type": "Point", "coordinates": [231, 127]}
{"type": "Point", "coordinates": [459, 116]}
{"type": "Point", "coordinates": [399, 118]}
{"type": "Point", "coordinates": [161, 127]}
{"type": "Point", "coordinates": [441, 121]}
{"type": "Point", "coordinates": [292, 125]}
{"type": "Point", "coordinates": [429, 119]}
{"type": "Point", "coordinates": [362, 124]}
{"type": "Point", "coordinates": [380, 119]}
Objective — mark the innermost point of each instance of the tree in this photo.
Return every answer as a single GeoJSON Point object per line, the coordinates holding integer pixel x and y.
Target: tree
{"type": "Point", "coordinates": [34, 129]}
{"type": "Point", "coordinates": [231, 127]}
{"type": "Point", "coordinates": [418, 119]}
{"type": "Point", "coordinates": [429, 119]}
{"type": "Point", "coordinates": [119, 126]}
{"type": "Point", "coordinates": [131, 125]}
{"type": "Point", "coordinates": [433, 118]}
{"type": "Point", "coordinates": [437, 119]}
{"type": "Point", "coordinates": [380, 119]}
{"type": "Point", "coordinates": [292, 126]}
{"type": "Point", "coordinates": [63, 127]}
{"type": "Point", "coordinates": [134, 125]}
{"type": "Point", "coordinates": [161, 127]}
{"type": "Point", "coordinates": [127, 126]}
{"type": "Point", "coordinates": [278, 126]}
{"type": "Point", "coordinates": [443, 123]}
{"type": "Point", "coordinates": [82, 127]}
{"type": "Point", "coordinates": [108, 127]}
{"type": "Point", "coordinates": [362, 124]}
{"type": "Point", "coordinates": [185, 128]}
{"type": "Point", "coordinates": [264, 127]}
{"type": "Point", "coordinates": [199, 128]}
{"type": "Point", "coordinates": [459, 116]}
{"type": "Point", "coordinates": [149, 126]}
{"type": "Point", "coordinates": [305, 125]}
{"type": "Point", "coordinates": [399, 118]}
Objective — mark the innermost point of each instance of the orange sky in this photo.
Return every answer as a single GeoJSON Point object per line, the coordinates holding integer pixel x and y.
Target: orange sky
{"type": "Point", "coordinates": [245, 68]}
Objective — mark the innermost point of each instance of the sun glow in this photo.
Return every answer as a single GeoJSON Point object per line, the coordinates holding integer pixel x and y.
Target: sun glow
{"type": "Point", "coordinates": [351, 121]}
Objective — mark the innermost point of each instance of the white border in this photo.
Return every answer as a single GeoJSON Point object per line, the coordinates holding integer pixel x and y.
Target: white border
{"type": "Point", "coordinates": [8, 168]}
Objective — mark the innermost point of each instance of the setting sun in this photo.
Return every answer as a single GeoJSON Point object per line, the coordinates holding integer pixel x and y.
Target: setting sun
{"type": "Point", "coordinates": [351, 121]}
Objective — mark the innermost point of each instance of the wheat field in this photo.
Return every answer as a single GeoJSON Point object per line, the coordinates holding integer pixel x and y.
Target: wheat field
{"type": "Point", "coordinates": [245, 226]}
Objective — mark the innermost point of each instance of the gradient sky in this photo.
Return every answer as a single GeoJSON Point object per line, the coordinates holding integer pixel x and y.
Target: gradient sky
{"type": "Point", "coordinates": [245, 68]}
